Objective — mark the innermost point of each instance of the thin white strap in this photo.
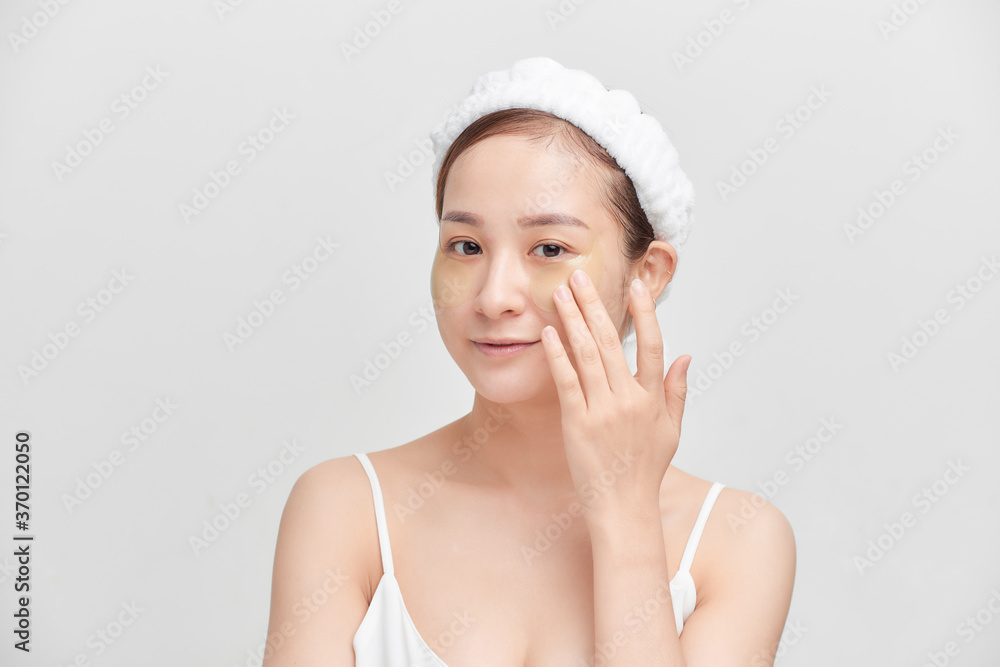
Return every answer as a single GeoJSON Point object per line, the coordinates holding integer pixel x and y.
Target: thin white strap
{"type": "Point", "coordinates": [383, 531]}
{"type": "Point", "coordinates": [699, 526]}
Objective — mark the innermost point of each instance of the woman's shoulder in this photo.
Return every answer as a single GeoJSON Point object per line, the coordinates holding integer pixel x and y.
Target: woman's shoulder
{"type": "Point", "coordinates": [330, 486]}
{"type": "Point", "coordinates": [333, 502]}
{"type": "Point", "coordinates": [334, 481]}
{"type": "Point", "coordinates": [321, 493]}
{"type": "Point", "coordinates": [744, 532]}
{"type": "Point", "coordinates": [735, 508]}
{"type": "Point", "coordinates": [344, 477]}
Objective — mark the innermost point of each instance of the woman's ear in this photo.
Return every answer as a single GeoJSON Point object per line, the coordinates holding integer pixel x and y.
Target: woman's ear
{"type": "Point", "coordinates": [657, 267]}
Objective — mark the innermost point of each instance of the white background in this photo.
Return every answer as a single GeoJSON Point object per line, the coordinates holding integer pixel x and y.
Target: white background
{"type": "Point", "coordinates": [324, 175]}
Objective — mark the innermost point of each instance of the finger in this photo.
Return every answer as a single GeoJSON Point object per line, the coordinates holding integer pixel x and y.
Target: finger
{"type": "Point", "coordinates": [675, 389]}
{"type": "Point", "coordinates": [571, 399]}
{"type": "Point", "coordinates": [617, 374]}
{"type": "Point", "coordinates": [648, 339]}
{"type": "Point", "coordinates": [589, 365]}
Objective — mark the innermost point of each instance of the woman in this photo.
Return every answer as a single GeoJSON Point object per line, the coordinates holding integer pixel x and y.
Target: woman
{"type": "Point", "coordinates": [546, 526]}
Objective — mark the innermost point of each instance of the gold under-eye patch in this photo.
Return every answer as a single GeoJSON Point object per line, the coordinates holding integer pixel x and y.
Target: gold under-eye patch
{"type": "Point", "coordinates": [547, 278]}
{"type": "Point", "coordinates": [451, 281]}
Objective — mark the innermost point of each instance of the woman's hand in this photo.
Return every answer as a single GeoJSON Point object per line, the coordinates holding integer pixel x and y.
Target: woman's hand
{"type": "Point", "coordinates": [620, 431]}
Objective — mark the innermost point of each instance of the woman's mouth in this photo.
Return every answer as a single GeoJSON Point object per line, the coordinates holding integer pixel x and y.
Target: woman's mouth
{"type": "Point", "coordinates": [502, 350]}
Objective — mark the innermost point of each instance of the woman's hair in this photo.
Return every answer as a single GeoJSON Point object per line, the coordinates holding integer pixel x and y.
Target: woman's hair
{"type": "Point", "coordinates": [617, 194]}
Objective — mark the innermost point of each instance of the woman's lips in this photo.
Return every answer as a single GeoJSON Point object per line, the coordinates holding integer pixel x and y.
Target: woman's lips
{"type": "Point", "coordinates": [503, 351]}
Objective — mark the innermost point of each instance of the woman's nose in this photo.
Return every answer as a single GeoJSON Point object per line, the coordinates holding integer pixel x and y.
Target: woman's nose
{"type": "Point", "coordinates": [504, 287]}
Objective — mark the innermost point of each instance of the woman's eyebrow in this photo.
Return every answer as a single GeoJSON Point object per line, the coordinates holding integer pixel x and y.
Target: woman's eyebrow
{"type": "Point", "coordinates": [525, 221]}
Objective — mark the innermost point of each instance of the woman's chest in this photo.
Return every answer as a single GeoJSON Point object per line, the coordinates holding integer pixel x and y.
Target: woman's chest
{"type": "Point", "coordinates": [492, 601]}
{"type": "Point", "coordinates": [485, 583]}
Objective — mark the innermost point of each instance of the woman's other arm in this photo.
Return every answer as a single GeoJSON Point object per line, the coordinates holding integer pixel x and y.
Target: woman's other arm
{"type": "Point", "coordinates": [744, 597]}
{"type": "Point", "coordinates": [747, 568]}
{"type": "Point", "coordinates": [317, 598]}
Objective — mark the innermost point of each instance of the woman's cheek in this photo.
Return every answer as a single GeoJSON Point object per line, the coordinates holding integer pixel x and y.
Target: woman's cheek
{"type": "Point", "coordinates": [547, 278]}
{"type": "Point", "coordinates": [451, 281]}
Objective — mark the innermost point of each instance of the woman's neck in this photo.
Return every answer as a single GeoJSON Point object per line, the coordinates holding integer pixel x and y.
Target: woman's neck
{"type": "Point", "coordinates": [517, 445]}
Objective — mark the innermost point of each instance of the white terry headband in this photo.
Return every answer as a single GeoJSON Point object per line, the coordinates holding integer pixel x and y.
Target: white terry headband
{"type": "Point", "coordinates": [634, 139]}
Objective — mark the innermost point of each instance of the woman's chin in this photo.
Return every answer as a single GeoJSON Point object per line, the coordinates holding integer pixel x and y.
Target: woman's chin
{"type": "Point", "coordinates": [512, 387]}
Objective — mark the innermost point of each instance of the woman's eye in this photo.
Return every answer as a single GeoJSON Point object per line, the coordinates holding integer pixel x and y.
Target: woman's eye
{"type": "Point", "coordinates": [459, 244]}
{"type": "Point", "coordinates": [549, 250]}
{"type": "Point", "coordinates": [550, 247]}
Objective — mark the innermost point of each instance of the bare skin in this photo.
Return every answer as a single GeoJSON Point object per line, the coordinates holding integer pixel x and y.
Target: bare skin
{"type": "Point", "coordinates": [481, 584]}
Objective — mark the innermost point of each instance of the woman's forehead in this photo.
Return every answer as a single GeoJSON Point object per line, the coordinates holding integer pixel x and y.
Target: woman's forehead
{"type": "Point", "coordinates": [511, 177]}
{"type": "Point", "coordinates": [549, 153]}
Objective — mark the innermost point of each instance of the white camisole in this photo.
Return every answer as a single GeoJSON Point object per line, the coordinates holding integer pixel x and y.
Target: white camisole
{"type": "Point", "coordinates": [387, 636]}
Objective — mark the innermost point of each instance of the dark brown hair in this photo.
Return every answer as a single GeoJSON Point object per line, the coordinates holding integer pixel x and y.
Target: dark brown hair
{"type": "Point", "coordinates": [618, 193]}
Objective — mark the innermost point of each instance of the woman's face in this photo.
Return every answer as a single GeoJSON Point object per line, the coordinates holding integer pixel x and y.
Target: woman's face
{"type": "Point", "coordinates": [517, 219]}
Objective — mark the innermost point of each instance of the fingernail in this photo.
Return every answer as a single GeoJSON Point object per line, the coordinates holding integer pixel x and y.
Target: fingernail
{"type": "Point", "coordinates": [580, 277]}
{"type": "Point", "coordinates": [686, 364]}
{"type": "Point", "coordinates": [562, 293]}
{"type": "Point", "coordinates": [639, 287]}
